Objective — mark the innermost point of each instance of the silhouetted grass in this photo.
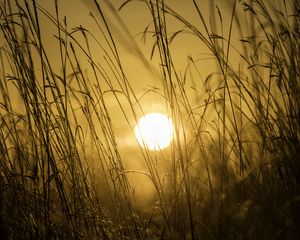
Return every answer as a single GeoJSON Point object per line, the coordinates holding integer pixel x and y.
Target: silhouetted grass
{"type": "Point", "coordinates": [232, 170]}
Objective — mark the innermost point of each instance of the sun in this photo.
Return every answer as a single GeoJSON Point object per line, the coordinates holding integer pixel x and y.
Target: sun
{"type": "Point", "coordinates": [154, 131]}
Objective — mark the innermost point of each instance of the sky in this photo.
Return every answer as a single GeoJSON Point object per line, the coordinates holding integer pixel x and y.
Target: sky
{"type": "Point", "coordinates": [142, 73]}
{"type": "Point", "coordinates": [127, 26]}
{"type": "Point", "coordinates": [135, 17]}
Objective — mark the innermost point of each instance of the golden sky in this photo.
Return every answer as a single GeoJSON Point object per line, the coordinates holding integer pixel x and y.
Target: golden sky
{"type": "Point", "coordinates": [143, 74]}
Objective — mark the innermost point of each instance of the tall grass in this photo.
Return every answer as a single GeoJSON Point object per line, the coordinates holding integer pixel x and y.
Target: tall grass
{"type": "Point", "coordinates": [232, 170]}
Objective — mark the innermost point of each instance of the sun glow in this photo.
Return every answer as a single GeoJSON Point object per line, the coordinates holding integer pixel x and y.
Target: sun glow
{"type": "Point", "coordinates": [154, 131]}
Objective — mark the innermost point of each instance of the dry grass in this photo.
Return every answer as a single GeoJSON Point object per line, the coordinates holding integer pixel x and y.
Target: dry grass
{"type": "Point", "coordinates": [232, 171]}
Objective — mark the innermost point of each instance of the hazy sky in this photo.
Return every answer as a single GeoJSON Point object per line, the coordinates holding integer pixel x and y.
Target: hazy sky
{"type": "Point", "coordinates": [135, 16]}
{"type": "Point", "coordinates": [126, 26]}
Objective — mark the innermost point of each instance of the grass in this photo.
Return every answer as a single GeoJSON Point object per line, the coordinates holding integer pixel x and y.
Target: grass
{"type": "Point", "coordinates": [232, 170]}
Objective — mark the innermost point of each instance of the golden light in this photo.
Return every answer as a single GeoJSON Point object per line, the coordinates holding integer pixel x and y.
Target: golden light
{"type": "Point", "coordinates": [154, 131]}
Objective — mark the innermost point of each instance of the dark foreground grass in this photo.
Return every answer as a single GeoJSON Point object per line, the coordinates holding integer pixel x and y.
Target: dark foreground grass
{"type": "Point", "coordinates": [232, 173]}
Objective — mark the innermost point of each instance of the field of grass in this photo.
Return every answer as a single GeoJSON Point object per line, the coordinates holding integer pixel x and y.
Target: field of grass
{"type": "Point", "coordinates": [232, 170]}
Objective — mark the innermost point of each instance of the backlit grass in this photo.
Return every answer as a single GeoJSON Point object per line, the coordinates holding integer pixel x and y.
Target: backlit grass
{"type": "Point", "coordinates": [232, 170]}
